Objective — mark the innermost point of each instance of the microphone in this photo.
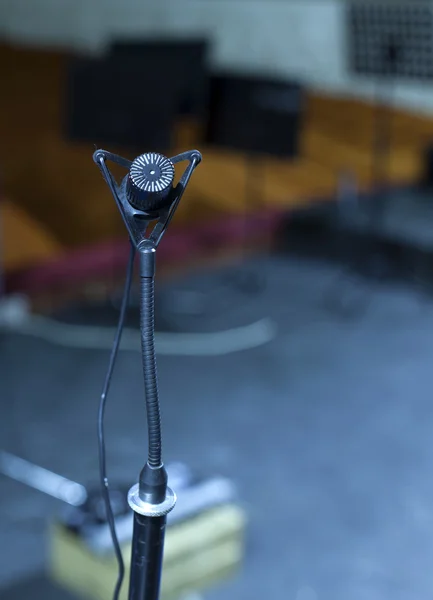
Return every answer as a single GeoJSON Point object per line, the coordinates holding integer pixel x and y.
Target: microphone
{"type": "Point", "coordinates": [147, 193]}
{"type": "Point", "coordinates": [149, 182]}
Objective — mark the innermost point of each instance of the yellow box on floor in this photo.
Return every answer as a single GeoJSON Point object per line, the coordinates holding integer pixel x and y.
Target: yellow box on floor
{"type": "Point", "coordinates": [199, 553]}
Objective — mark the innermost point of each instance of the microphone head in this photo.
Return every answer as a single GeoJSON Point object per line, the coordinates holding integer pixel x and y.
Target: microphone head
{"type": "Point", "coordinates": [150, 182]}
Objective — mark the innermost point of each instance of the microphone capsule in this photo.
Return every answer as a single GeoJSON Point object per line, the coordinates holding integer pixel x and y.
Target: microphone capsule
{"type": "Point", "coordinates": [150, 182]}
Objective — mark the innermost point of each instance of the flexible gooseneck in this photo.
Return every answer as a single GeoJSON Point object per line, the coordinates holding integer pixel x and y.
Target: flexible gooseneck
{"type": "Point", "coordinates": [147, 194]}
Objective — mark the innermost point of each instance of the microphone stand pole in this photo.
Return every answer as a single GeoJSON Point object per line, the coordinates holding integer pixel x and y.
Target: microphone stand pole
{"type": "Point", "coordinates": [147, 194]}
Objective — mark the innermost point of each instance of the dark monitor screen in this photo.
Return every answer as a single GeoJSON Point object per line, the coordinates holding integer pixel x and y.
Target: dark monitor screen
{"type": "Point", "coordinates": [105, 106]}
{"type": "Point", "coordinates": [182, 62]}
{"type": "Point", "coordinates": [257, 115]}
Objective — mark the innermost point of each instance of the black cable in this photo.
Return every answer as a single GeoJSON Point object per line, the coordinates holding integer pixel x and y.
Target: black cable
{"type": "Point", "coordinates": [101, 435]}
{"type": "Point", "coordinates": [372, 264]}
{"type": "Point", "coordinates": [150, 371]}
{"type": "Point", "coordinates": [382, 136]}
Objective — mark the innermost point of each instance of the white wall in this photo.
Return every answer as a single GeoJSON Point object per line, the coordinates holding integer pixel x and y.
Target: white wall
{"type": "Point", "coordinates": [297, 38]}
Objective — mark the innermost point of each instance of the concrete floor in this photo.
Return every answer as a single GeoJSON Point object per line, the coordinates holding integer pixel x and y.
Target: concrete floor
{"type": "Point", "coordinates": [327, 431]}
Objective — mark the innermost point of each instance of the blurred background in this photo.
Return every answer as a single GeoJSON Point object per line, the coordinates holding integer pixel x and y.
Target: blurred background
{"type": "Point", "coordinates": [293, 306]}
